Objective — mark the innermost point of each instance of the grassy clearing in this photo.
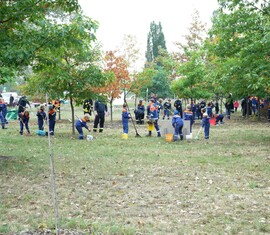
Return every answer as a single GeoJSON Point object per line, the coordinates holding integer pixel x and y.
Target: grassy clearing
{"type": "Point", "coordinates": [139, 185]}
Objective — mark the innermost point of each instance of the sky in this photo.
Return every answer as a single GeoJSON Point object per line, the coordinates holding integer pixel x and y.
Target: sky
{"type": "Point", "coordinates": [122, 17]}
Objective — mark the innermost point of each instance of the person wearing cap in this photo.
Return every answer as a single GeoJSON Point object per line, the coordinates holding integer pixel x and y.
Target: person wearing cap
{"type": "Point", "coordinates": [188, 115]}
{"type": "Point", "coordinates": [206, 125]}
{"type": "Point", "coordinates": [80, 123]}
{"type": "Point", "coordinates": [177, 124]}
{"type": "Point", "coordinates": [153, 116]}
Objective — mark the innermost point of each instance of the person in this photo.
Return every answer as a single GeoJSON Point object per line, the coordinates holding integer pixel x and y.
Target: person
{"type": "Point", "coordinates": [153, 117]}
{"type": "Point", "coordinates": [167, 109]}
{"type": "Point", "coordinates": [11, 100]}
{"type": "Point", "coordinates": [41, 116]}
{"type": "Point", "coordinates": [56, 105]}
{"type": "Point", "coordinates": [139, 113]}
{"type": "Point", "coordinates": [159, 105]}
{"type": "Point", "coordinates": [2, 113]}
{"type": "Point", "coordinates": [193, 109]}
{"type": "Point", "coordinates": [198, 110]}
{"type": "Point", "coordinates": [246, 106]}
{"type": "Point", "coordinates": [4, 110]}
{"type": "Point", "coordinates": [24, 120]}
{"type": "Point", "coordinates": [177, 124]}
{"type": "Point", "coordinates": [229, 105]}
{"type": "Point", "coordinates": [216, 107]}
{"type": "Point", "coordinates": [100, 110]}
{"type": "Point", "coordinates": [178, 106]}
{"type": "Point", "coordinates": [236, 105]}
{"type": "Point", "coordinates": [125, 118]}
{"type": "Point", "coordinates": [202, 107]}
{"type": "Point", "coordinates": [206, 125]}
{"type": "Point", "coordinates": [254, 105]}
{"type": "Point", "coordinates": [188, 115]}
{"type": "Point", "coordinates": [219, 118]}
{"type": "Point", "coordinates": [88, 106]}
{"type": "Point", "coordinates": [52, 119]}
{"type": "Point", "coordinates": [209, 110]}
{"type": "Point", "coordinates": [22, 104]}
{"type": "Point", "coordinates": [80, 123]}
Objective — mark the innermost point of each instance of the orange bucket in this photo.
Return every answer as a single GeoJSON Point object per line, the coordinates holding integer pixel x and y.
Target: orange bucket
{"type": "Point", "coordinates": [169, 137]}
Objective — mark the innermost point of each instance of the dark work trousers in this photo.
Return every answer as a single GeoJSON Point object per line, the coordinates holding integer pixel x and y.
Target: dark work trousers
{"type": "Point", "coordinates": [206, 130]}
{"type": "Point", "coordinates": [99, 119]}
{"type": "Point", "coordinates": [178, 131]}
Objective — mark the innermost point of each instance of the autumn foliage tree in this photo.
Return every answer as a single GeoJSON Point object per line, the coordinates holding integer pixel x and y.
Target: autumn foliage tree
{"type": "Point", "coordinates": [118, 68]}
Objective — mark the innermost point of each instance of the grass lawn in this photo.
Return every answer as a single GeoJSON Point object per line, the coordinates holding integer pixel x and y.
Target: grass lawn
{"type": "Point", "coordinates": [137, 185]}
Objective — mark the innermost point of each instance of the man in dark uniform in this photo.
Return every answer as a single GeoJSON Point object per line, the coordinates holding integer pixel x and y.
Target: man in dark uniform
{"type": "Point", "coordinates": [22, 104]}
{"type": "Point", "coordinates": [178, 107]}
{"type": "Point", "coordinates": [88, 106]}
{"type": "Point", "coordinates": [99, 109]}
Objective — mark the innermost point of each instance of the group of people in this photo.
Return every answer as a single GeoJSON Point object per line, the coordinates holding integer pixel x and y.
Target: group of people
{"type": "Point", "coordinates": [100, 110]}
{"type": "Point", "coordinates": [193, 111]}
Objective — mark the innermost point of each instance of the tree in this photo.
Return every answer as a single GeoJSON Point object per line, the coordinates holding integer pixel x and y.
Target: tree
{"type": "Point", "coordinates": [116, 67]}
{"type": "Point", "coordinates": [72, 68]}
{"type": "Point", "coordinates": [240, 40]}
{"type": "Point", "coordinates": [20, 34]}
{"type": "Point", "coordinates": [155, 41]}
{"type": "Point", "coordinates": [191, 63]}
{"type": "Point", "coordinates": [130, 51]}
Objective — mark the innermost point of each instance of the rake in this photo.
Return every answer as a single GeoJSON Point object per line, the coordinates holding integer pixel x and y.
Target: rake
{"type": "Point", "coordinates": [197, 136]}
{"type": "Point", "coordinates": [137, 134]}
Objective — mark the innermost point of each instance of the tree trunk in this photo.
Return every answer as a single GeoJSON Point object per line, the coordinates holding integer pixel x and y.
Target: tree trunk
{"type": "Point", "coordinates": [111, 109]}
{"type": "Point", "coordinates": [59, 110]}
{"type": "Point", "coordinates": [72, 113]}
{"type": "Point", "coordinates": [221, 102]}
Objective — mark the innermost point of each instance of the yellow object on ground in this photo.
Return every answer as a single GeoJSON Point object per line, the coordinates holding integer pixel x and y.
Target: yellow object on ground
{"type": "Point", "coordinates": [124, 136]}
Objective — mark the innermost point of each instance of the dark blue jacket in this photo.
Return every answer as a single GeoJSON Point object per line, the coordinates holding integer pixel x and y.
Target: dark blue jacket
{"type": "Point", "coordinates": [177, 121]}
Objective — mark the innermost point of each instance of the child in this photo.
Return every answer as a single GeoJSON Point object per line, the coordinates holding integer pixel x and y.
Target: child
{"type": "Point", "coordinates": [52, 119]}
{"type": "Point", "coordinates": [24, 119]}
{"type": "Point", "coordinates": [41, 115]}
{"type": "Point", "coordinates": [3, 113]}
{"type": "Point", "coordinates": [219, 118]}
{"type": "Point", "coordinates": [206, 125]}
{"type": "Point", "coordinates": [177, 123]}
{"type": "Point", "coordinates": [152, 109]}
{"type": "Point", "coordinates": [188, 115]}
{"type": "Point", "coordinates": [125, 117]}
{"type": "Point", "coordinates": [80, 123]}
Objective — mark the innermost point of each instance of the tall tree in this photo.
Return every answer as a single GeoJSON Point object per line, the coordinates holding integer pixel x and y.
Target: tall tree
{"type": "Point", "coordinates": [240, 38]}
{"type": "Point", "coordinates": [72, 68]}
{"type": "Point", "coordinates": [191, 62]}
{"type": "Point", "coordinates": [117, 69]}
{"type": "Point", "coordinates": [155, 42]}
